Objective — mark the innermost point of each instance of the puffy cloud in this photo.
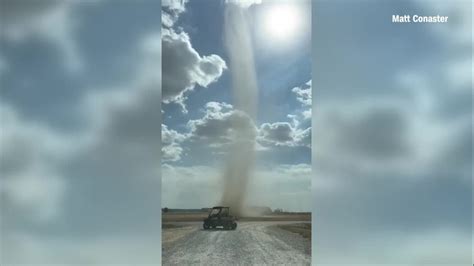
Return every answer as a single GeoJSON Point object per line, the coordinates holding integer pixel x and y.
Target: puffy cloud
{"type": "Point", "coordinates": [171, 9]}
{"type": "Point", "coordinates": [303, 93]}
{"type": "Point", "coordinates": [174, 5]}
{"type": "Point", "coordinates": [167, 19]}
{"type": "Point", "coordinates": [294, 134]}
{"type": "Point", "coordinates": [244, 3]}
{"type": "Point", "coordinates": [170, 140]}
{"type": "Point", "coordinates": [222, 124]}
{"type": "Point", "coordinates": [304, 96]}
{"type": "Point", "coordinates": [50, 20]}
{"type": "Point", "coordinates": [31, 185]}
{"type": "Point", "coordinates": [284, 134]}
{"type": "Point", "coordinates": [278, 133]}
{"type": "Point", "coordinates": [183, 67]}
{"type": "Point", "coordinates": [35, 192]}
{"type": "Point", "coordinates": [303, 137]}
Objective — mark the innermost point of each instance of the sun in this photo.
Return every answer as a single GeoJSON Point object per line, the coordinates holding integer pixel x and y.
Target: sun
{"type": "Point", "coordinates": [281, 21]}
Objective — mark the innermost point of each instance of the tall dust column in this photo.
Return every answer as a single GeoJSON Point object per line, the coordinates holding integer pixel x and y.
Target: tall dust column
{"type": "Point", "coordinates": [241, 157]}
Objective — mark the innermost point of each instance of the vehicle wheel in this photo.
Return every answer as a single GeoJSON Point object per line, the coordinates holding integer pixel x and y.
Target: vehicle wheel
{"type": "Point", "coordinates": [205, 226]}
{"type": "Point", "coordinates": [234, 226]}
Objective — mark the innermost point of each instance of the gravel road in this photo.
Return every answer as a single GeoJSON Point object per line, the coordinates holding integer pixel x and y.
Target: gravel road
{"type": "Point", "coordinates": [253, 243]}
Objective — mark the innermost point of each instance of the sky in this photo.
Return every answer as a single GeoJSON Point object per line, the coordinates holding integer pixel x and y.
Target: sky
{"type": "Point", "coordinates": [392, 134]}
{"type": "Point", "coordinates": [199, 113]}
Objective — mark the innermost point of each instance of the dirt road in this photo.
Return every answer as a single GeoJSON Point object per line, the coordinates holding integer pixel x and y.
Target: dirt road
{"type": "Point", "coordinates": [253, 243]}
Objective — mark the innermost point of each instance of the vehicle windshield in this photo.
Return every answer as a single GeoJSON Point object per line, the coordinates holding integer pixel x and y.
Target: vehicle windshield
{"type": "Point", "coordinates": [214, 212]}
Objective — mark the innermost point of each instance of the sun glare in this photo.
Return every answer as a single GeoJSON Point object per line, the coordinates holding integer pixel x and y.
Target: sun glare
{"type": "Point", "coordinates": [282, 21]}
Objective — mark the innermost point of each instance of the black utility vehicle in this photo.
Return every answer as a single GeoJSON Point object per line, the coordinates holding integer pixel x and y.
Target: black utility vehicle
{"type": "Point", "coordinates": [220, 216]}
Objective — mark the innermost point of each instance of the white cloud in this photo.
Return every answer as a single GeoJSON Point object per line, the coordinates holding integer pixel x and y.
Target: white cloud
{"type": "Point", "coordinates": [171, 9]}
{"type": "Point", "coordinates": [280, 133]}
{"type": "Point", "coordinates": [30, 182]}
{"type": "Point", "coordinates": [174, 5]}
{"type": "Point", "coordinates": [167, 19]}
{"type": "Point", "coordinates": [303, 137]}
{"type": "Point", "coordinates": [284, 134]}
{"type": "Point", "coordinates": [294, 134]}
{"type": "Point", "coordinates": [35, 192]}
{"type": "Point", "coordinates": [222, 124]}
{"type": "Point", "coordinates": [244, 3]}
{"type": "Point", "coordinates": [302, 116]}
{"type": "Point", "coordinates": [170, 140]}
{"type": "Point", "coordinates": [303, 93]}
{"type": "Point", "coordinates": [183, 68]}
{"type": "Point", "coordinates": [49, 20]}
